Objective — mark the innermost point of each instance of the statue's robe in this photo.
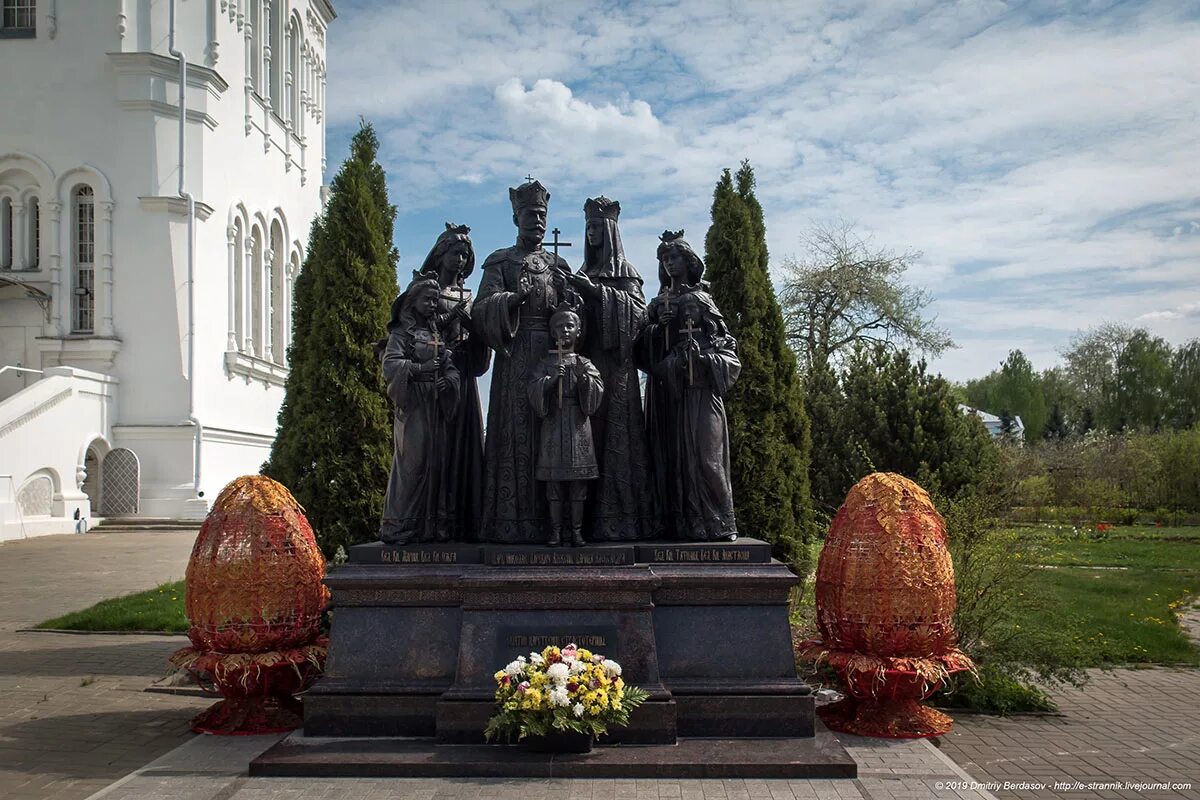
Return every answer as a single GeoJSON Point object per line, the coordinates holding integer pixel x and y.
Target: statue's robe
{"type": "Point", "coordinates": [417, 506]}
{"type": "Point", "coordinates": [687, 427]}
{"type": "Point", "coordinates": [622, 505]}
{"type": "Point", "coordinates": [464, 445]}
{"type": "Point", "coordinates": [566, 450]}
{"type": "Point", "coordinates": [514, 508]}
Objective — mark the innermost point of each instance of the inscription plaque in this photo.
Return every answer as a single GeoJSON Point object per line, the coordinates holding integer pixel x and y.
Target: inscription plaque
{"type": "Point", "coordinates": [748, 552]}
{"type": "Point", "coordinates": [521, 641]}
{"type": "Point", "coordinates": [415, 554]}
{"type": "Point", "coordinates": [551, 557]}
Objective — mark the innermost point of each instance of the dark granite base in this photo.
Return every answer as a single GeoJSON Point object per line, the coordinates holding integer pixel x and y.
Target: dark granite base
{"type": "Point", "coordinates": [702, 627]}
{"type": "Point", "coordinates": [819, 756]}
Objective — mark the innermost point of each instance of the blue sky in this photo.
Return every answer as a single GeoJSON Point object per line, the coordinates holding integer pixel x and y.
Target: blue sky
{"type": "Point", "coordinates": [1044, 157]}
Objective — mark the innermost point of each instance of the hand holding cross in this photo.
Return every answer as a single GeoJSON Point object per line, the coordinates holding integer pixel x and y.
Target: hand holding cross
{"type": "Point", "coordinates": [560, 351]}
{"type": "Point", "coordinates": [690, 329]}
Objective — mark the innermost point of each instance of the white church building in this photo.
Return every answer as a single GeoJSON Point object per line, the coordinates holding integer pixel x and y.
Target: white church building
{"type": "Point", "coordinates": [122, 211]}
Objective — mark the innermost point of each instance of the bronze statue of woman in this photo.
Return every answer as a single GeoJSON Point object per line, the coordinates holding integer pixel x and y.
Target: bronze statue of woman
{"type": "Point", "coordinates": [422, 383]}
{"type": "Point", "coordinates": [451, 261]}
{"type": "Point", "coordinates": [692, 361]}
{"type": "Point", "coordinates": [622, 505]}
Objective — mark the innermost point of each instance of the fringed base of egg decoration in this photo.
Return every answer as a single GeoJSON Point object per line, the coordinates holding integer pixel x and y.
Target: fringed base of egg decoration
{"type": "Point", "coordinates": [258, 688]}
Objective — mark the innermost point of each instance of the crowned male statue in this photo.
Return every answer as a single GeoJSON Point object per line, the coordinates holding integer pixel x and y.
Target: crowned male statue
{"type": "Point", "coordinates": [521, 288]}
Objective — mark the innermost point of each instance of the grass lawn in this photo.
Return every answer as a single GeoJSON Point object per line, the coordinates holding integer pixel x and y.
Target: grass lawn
{"type": "Point", "coordinates": [1123, 589]}
{"type": "Point", "coordinates": [157, 609]}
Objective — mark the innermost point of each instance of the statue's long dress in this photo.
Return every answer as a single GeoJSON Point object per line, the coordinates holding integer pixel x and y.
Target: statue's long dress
{"type": "Point", "coordinates": [464, 448]}
{"type": "Point", "coordinates": [622, 505]}
{"type": "Point", "coordinates": [688, 429]}
{"type": "Point", "coordinates": [514, 508]}
{"type": "Point", "coordinates": [417, 507]}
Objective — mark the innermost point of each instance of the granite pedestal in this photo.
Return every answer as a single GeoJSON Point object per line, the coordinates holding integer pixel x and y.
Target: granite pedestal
{"type": "Point", "coordinates": [419, 631]}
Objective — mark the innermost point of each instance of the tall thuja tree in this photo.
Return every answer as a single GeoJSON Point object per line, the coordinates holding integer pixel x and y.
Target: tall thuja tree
{"type": "Point", "coordinates": [768, 429]}
{"type": "Point", "coordinates": [334, 442]}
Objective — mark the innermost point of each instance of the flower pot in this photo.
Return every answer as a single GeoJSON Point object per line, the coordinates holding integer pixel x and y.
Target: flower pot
{"type": "Point", "coordinates": [560, 742]}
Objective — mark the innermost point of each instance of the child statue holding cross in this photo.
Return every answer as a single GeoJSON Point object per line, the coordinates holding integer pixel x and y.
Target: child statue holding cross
{"type": "Point", "coordinates": [564, 392]}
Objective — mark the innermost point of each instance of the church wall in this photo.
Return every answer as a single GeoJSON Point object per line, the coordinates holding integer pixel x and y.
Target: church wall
{"type": "Point", "coordinates": [101, 92]}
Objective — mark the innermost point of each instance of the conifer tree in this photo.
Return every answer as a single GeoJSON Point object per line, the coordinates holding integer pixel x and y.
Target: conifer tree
{"type": "Point", "coordinates": [333, 445]}
{"type": "Point", "coordinates": [768, 429]}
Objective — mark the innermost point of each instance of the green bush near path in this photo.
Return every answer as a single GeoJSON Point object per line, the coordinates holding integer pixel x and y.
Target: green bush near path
{"type": "Point", "coordinates": [159, 609]}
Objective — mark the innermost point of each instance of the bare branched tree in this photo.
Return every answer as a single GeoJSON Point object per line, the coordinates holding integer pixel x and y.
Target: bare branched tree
{"type": "Point", "coordinates": [846, 291]}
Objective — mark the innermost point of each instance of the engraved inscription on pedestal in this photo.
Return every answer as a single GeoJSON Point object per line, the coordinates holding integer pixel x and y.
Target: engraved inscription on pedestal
{"type": "Point", "coordinates": [744, 552]}
{"type": "Point", "coordinates": [522, 640]}
{"type": "Point", "coordinates": [549, 557]}
{"type": "Point", "coordinates": [415, 554]}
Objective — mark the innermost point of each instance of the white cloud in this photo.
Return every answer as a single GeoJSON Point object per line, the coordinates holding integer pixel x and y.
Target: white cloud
{"type": "Point", "coordinates": [1046, 166]}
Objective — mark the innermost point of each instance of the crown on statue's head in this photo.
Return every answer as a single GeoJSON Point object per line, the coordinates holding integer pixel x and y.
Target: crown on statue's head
{"type": "Point", "coordinates": [601, 208]}
{"type": "Point", "coordinates": [527, 195]}
{"type": "Point", "coordinates": [668, 237]}
{"type": "Point", "coordinates": [462, 230]}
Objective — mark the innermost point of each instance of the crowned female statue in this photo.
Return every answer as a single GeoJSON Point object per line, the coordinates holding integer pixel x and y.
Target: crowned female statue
{"type": "Point", "coordinates": [692, 362]}
{"type": "Point", "coordinates": [622, 505]}
{"type": "Point", "coordinates": [521, 288]}
{"type": "Point", "coordinates": [451, 261]}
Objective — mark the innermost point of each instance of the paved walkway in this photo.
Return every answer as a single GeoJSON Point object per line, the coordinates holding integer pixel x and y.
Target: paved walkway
{"type": "Point", "coordinates": [73, 713]}
{"type": "Point", "coordinates": [1128, 726]}
{"type": "Point", "coordinates": [74, 718]}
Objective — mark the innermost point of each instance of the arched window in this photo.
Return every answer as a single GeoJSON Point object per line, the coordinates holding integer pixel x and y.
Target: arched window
{"type": "Point", "coordinates": [33, 240]}
{"type": "Point", "coordinates": [83, 298]}
{"type": "Point", "coordinates": [6, 233]}
{"type": "Point", "coordinates": [256, 39]}
{"type": "Point", "coordinates": [293, 74]}
{"type": "Point", "coordinates": [256, 340]}
{"type": "Point", "coordinates": [274, 61]}
{"type": "Point", "coordinates": [275, 295]}
{"type": "Point", "coordinates": [239, 293]}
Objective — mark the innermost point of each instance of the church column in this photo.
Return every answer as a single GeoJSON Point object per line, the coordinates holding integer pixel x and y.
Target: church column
{"type": "Point", "coordinates": [57, 292]}
{"type": "Point", "coordinates": [286, 302]}
{"type": "Point", "coordinates": [268, 292]}
{"type": "Point", "coordinates": [104, 248]}
{"type": "Point", "coordinates": [231, 343]}
{"type": "Point", "coordinates": [248, 29]}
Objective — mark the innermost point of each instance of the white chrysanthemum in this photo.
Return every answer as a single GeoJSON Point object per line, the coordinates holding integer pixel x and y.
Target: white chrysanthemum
{"type": "Point", "coordinates": [536, 659]}
{"type": "Point", "coordinates": [611, 668]}
{"type": "Point", "coordinates": [514, 668]}
{"type": "Point", "coordinates": [577, 667]}
{"type": "Point", "coordinates": [558, 697]}
{"type": "Point", "coordinates": [578, 709]}
{"type": "Point", "coordinates": [558, 672]}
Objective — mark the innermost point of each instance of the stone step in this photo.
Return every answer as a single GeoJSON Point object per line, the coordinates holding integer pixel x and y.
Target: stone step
{"type": "Point", "coordinates": [131, 524]}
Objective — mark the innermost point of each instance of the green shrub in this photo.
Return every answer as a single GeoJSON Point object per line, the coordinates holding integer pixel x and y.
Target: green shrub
{"type": "Point", "coordinates": [994, 691]}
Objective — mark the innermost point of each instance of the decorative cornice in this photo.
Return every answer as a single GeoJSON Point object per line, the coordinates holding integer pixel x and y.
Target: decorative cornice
{"type": "Point", "coordinates": [255, 368]}
{"type": "Point", "coordinates": [326, 9]}
{"type": "Point", "coordinates": [160, 66]}
{"type": "Point", "coordinates": [171, 204]}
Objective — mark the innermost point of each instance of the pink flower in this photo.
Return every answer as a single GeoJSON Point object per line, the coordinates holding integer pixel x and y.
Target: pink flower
{"type": "Point", "coordinates": [522, 686]}
{"type": "Point", "coordinates": [506, 680]}
{"type": "Point", "coordinates": [569, 651]}
{"type": "Point", "coordinates": [598, 659]}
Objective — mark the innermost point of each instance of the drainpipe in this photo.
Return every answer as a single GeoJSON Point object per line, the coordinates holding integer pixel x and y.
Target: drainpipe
{"type": "Point", "coordinates": [191, 252]}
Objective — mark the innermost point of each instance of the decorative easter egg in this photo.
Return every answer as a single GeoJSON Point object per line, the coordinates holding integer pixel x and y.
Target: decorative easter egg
{"type": "Point", "coordinates": [885, 579]}
{"type": "Point", "coordinates": [254, 577]}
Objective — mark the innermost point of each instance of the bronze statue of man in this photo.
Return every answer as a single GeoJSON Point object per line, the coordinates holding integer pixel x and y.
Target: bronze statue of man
{"type": "Point", "coordinates": [521, 288]}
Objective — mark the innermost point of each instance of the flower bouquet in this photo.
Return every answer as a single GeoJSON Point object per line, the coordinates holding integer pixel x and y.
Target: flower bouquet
{"type": "Point", "coordinates": [558, 700]}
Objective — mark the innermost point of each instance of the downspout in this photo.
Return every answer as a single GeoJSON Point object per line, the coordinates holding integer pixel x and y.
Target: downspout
{"type": "Point", "coordinates": [191, 252]}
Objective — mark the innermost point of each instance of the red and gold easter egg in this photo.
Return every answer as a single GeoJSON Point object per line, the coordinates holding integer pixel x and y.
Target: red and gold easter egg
{"type": "Point", "coordinates": [254, 577]}
{"type": "Point", "coordinates": [885, 579]}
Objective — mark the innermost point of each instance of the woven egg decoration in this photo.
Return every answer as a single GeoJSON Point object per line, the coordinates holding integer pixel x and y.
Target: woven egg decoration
{"type": "Point", "coordinates": [885, 579]}
{"type": "Point", "coordinates": [254, 577]}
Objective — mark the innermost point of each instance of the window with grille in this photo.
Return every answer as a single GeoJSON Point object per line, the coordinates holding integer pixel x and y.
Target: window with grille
{"type": "Point", "coordinates": [18, 17]}
{"type": "Point", "coordinates": [83, 293]}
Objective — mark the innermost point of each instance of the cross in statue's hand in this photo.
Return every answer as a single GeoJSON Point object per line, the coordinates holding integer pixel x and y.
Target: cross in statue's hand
{"type": "Point", "coordinates": [689, 329]}
{"type": "Point", "coordinates": [436, 343]}
{"type": "Point", "coordinates": [560, 351]}
{"type": "Point", "coordinates": [554, 245]}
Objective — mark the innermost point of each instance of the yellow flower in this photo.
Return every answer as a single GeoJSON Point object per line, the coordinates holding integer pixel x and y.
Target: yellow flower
{"type": "Point", "coordinates": [583, 655]}
{"type": "Point", "coordinates": [499, 676]}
